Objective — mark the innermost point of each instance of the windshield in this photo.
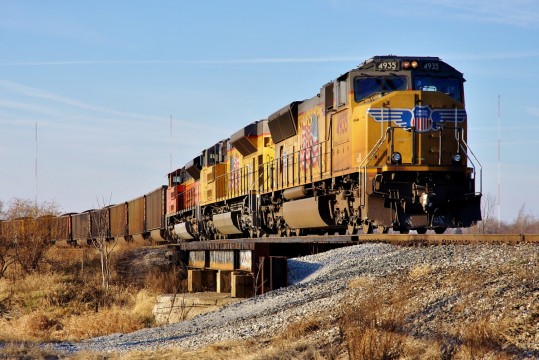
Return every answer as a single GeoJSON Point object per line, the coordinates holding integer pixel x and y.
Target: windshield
{"type": "Point", "coordinates": [449, 86]}
{"type": "Point", "coordinates": [367, 86]}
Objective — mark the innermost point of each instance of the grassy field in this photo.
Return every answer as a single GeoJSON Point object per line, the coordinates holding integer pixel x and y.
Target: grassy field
{"type": "Point", "coordinates": [65, 299]}
{"type": "Point", "coordinates": [478, 312]}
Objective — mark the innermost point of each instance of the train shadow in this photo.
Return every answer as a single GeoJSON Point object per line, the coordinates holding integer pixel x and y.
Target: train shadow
{"type": "Point", "coordinates": [300, 270]}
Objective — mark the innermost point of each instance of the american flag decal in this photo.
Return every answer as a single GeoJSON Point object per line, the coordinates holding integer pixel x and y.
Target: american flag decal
{"type": "Point", "coordinates": [234, 183]}
{"type": "Point", "coordinates": [309, 150]}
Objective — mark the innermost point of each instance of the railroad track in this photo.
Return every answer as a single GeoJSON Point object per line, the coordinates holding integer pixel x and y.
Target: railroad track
{"type": "Point", "coordinates": [400, 239]}
{"type": "Point", "coordinates": [343, 240]}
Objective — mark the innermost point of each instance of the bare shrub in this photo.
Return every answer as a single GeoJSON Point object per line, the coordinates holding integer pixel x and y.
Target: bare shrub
{"type": "Point", "coordinates": [152, 267]}
{"type": "Point", "coordinates": [524, 221]}
{"type": "Point", "coordinates": [25, 350]}
{"type": "Point", "coordinates": [38, 324]}
{"type": "Point", "coordinates": [144, 301]}
{"type": "Point", "coordinates": [489, 223]}
{"type": "Point", "coordinates": [106, 321]}
{"type": "Point", "coordinates": [167, 281]}
{"type": "Point", "coordinates": [372, 327]}
{"type": "Point", "coordinates": [29, 229]}
{"type": "Point", "coordinates": [481, 335]}
{"type": "Point", "coordinates": [102, 242]}
{"type": "Point", "coordinates": [301, 328]}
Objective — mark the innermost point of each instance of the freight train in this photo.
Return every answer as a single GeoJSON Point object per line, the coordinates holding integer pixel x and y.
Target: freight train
{"type": "Point", "coordinates": [382, 147]}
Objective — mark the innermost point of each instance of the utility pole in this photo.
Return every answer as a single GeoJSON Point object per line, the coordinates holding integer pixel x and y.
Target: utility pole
{"type": "Point", "coordinates": [499, 167]}
{"type": "Point", "coordinates": [170, 144]}
{"type": "Point", "coordinates": [35, 168]}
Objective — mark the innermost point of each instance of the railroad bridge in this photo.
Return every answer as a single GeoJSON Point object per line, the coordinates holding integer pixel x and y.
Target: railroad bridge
{"type": "Point", "coordinates": [244, 267]}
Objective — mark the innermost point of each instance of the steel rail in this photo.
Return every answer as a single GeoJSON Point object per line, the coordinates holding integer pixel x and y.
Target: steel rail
{"type": "Point", "coordinates": [395, 239]}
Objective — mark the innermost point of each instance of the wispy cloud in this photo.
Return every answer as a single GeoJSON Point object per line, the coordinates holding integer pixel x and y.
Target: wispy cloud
{"type": "Point", "coordinates": [42, 94]}
{"type": "Point", "coordinates": [263, 61]}
{"type": "Point", "coordinates": [83, 111]}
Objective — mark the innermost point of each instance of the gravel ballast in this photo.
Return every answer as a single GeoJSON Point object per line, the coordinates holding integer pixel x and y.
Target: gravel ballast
{"type": "Point", "coordinates": [320, 283]}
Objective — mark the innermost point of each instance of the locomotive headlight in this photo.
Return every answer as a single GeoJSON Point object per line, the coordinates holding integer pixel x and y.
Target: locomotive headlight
{"type": "Point", "coordinates": [396, 158]}
{"type": "Point", "coordinates": [406, 64]}
{"type": "Point", "coordinates": [457, 158]}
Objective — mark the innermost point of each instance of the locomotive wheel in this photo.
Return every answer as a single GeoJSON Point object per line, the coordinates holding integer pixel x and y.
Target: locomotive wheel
{"type": "Point", "coordinates": [382, 229]}
{"type": "Point", "coordinates": [404, 231]}
{"type": "Point", "coordinates": [254, 233]}
{"type": "Point", "coordinates": [367, 228]}
{"type": "Point", "coordinates": [440, 230]}
{"type": "Point", "coordinates": [421, 231]}
{"type": "Point", "coordinates": [290, 232]}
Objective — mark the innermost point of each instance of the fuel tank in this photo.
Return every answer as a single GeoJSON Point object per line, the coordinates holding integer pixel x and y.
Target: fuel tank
{"type": "Point", "coordinates": [313, 212]}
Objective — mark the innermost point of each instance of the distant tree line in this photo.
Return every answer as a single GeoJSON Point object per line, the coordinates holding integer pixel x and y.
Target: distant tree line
{"type": "Point", "coordinates": [524, 223]}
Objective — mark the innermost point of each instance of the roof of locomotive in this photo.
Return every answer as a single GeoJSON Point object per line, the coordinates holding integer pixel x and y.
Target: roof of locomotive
{"type": "Point", "coordinates": [374, 62]}
{"type": "Point", "coordinates": [397, 57]}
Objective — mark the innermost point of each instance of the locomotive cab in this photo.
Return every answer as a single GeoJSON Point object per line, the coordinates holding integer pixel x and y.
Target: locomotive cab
{"type": "Point", "coordinates": [415, 159]}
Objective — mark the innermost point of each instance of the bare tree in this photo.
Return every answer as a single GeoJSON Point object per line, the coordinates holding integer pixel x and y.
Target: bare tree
{"type": "Point", "coordinates": [523, 221]}
{"type": "Point", "coordinates": [102, 241]}
{"type": "Point", "coordinates": [489, 224]}
{"type": "Point", "coordinates": [7, 251]}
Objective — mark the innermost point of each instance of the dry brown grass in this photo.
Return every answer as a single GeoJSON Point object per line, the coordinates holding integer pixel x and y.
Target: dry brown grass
{"type": "Point", "coordinates": [372, 326]}
{"type": "Point", "coordinates": [109, 320]}
{"type": "Point", "coordinates": [240, 350]}
{"type": "Point", "coordinates": [171, 281]}
{"type": "Point", "coordinates": [28, 351]}
{"type": "Point", "coordinates": [478, 312]}
{"type": "Point", "coordinates": [69, 303]}
{"type": "Point", "coordinates": [299, 340]}
{"type": "Point", "coordinates": [381, 318]}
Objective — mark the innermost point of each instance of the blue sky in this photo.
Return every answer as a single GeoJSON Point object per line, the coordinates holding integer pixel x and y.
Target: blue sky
{"type": "Point", "coordinates": [102, 78]}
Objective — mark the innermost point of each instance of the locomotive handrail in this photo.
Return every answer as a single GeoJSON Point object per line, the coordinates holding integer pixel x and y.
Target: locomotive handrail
{"type": "Point", "coordinates": [368, 158]}
{"type": "Point", "coordinates": [287, 170]}
{"type": "Point", "coordinates": [467, 149]}
{"type": "Point", "coordinates": [463, 146]}
{"type": "Point", "coordinates": [288, 166]}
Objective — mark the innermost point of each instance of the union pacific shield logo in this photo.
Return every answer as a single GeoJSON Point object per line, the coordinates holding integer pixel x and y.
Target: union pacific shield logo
{"type": "Point", "coordinates": [422, 118]}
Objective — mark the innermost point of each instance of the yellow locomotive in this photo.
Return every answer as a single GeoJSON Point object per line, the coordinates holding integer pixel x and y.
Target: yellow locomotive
{"type": "Point", "coordinates": [384, 146]}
